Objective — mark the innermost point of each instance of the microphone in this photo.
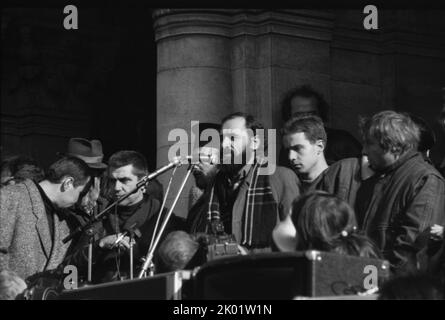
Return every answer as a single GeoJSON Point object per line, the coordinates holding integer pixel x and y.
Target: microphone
{"type": "Point", "coordinates": [129, 230]}
{"type": "Point", "coordinates": [175, 163]}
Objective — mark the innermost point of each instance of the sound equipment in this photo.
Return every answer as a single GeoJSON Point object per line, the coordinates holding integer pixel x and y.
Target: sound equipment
{"type": "Point", "coordinates": [286, 276]}
{"type": "Point", "coordinates": [166, 286]}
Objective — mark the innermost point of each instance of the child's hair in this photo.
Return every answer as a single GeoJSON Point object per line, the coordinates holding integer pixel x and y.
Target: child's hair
{"type": "Point", "coordinates": [356, 244]}
{"type": "Point", "coordinates": [327, 223]}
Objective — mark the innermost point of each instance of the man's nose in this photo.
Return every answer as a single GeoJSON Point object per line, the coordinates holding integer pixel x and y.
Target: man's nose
{"type": "Point", "coordinates": [117, 185]}
{"type": "Point", "coordinates": [292, 155]}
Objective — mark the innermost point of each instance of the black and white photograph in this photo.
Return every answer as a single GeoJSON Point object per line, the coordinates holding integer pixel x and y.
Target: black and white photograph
{"type": "Point", "coordinates": [219, 152]}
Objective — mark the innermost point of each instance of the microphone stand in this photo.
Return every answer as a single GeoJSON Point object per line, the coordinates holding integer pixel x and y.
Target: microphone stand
{"type": "Point", "coordinates": [131, 255]}
{"type": "Point", "coordinates": [88, 227]}
{"type": "Point", "coordinates": [149, 257]}
{"type": "Point", "coordinates": [90, 234]}
{"type": "Point", "coordinates": [139, 185]}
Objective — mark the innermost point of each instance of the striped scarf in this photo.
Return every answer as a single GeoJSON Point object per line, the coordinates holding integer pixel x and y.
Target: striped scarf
{"type": "Point", "coordinates": [260, 213]}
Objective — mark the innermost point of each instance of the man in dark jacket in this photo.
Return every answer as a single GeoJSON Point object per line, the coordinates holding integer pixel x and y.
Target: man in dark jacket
{"type": "Point", "coordinates": [304, 140]}
{"type": "Point", "coordinates": [136, 216]}
{"type": "Point", "coordinates": [306, 101]}
{"type": "Point", "coordinates": [249, 194]}
{"type": "Point", "coordinates": [405, 196]}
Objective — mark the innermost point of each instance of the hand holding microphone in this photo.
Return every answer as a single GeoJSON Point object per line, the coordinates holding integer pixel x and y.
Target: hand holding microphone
{"type": "Point", "coordinates": [121, 239]}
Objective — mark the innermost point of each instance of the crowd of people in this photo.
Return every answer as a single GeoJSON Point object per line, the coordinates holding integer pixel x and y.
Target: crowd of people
{"type": "Point", "coordinates": [382, 200]}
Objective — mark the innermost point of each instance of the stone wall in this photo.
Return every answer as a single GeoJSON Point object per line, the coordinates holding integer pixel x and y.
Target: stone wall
{"type": "Point", "coordinates": [212, 62]}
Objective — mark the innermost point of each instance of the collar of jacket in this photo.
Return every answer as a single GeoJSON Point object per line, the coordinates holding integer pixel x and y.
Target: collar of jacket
{"type": "Point", "coordinates": [401, 161]}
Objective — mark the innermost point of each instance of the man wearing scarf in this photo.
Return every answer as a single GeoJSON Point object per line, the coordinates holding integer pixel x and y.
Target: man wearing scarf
{"type": "Point", "coordinates": [247, 197]}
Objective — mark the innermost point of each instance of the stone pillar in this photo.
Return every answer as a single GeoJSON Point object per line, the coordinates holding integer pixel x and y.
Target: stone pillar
{"type": "Point", "coordinates": [212, 62]}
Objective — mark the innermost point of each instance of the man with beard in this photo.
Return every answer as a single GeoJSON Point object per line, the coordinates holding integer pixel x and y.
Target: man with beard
{"type": "Point", "coordinates": [246, 200]}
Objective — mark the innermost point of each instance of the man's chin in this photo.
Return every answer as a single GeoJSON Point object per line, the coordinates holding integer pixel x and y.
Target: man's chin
{"type": "Point", "coordinates": [299, 169]}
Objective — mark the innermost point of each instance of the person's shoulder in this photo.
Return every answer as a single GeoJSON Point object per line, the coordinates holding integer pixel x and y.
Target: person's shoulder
{"type": "Point", "coordinates": [432, 171]}
{"type": "Point", "coordinates": [280, 170]}
{"type": "Point", "coordinates": [18, 188]}
{"type": "Point", "coordinates": [346, 163]}
{"type": "Point", "coordinates": [421, 167]}
{"type": "Point", "coordinates": [283, 174]}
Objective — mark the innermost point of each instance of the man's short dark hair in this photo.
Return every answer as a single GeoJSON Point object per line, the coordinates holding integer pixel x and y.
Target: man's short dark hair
{"type": "Point", "coordinates": [127, 157]}
{"type": "Point", "coordinates": [251, 123]}
{"type": "Point", "coordinates": [311, 126]}
{"type": "Point", "coordinates": [304, 91]}
{"type": "Point", "coordinates": [68, 167]}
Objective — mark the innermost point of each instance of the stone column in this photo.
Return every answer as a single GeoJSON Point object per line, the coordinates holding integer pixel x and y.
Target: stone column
{"type": "Point", "coordinates": [212, 62]}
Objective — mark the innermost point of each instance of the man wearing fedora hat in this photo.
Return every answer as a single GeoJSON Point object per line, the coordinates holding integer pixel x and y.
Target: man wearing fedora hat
{"type": "Point", "coordinates": [90, 201]}
{"type": "Point", "coordinates": [89, 151]}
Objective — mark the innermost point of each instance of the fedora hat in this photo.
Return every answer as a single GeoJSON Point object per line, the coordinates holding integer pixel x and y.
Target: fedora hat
{"type": "Point", "coordinates": [89, 151]}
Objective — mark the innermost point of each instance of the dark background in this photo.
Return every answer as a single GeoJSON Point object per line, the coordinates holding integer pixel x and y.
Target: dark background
{"type": "Point", "coordinates": [97, 82]}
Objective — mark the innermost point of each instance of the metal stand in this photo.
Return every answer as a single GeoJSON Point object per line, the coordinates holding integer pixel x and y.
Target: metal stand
{"type": "Point", "coordinates": [90, 234]}
{"type": "Point", "coordinates": [149, 257]}
{"type": "Point", "coordinates": [139, 185]}
{"type": "Point", "coordinates": [131, 255]}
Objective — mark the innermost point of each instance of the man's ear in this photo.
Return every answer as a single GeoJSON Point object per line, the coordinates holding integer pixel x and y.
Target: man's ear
{"type": "Point", "coordinates": [67, 183]}
{"type": "Point", "coordinates": [320, 145]}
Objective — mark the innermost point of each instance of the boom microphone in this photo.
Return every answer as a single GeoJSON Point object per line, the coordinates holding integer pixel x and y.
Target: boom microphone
{"type": "Point", "coordinates": [175, 163]}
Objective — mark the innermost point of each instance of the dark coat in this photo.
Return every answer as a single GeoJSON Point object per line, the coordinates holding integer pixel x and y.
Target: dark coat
{"type": "Point", "coordinates": [106, 262]}
{"type": "Point", "coordinates": [395, 206]}
{"type": "Point", "coordinates": [343, 178]}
